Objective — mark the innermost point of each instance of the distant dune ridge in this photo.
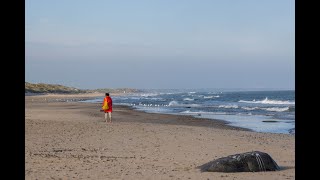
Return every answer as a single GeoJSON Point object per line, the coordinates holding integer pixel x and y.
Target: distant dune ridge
{"type": "Point", "coordinates": [60, 89]}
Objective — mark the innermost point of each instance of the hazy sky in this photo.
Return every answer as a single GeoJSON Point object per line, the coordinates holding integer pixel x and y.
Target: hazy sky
{"type": "Point", "coordinates": [161, 43]}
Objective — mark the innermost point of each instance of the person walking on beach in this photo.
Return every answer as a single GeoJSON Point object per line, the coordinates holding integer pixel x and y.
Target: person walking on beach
{"type": "Point", "coordinates": [108, 111]}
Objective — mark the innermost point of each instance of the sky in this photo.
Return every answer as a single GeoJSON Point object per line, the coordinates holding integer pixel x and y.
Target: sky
{"type": "Point", "coordinates": [161, 44]}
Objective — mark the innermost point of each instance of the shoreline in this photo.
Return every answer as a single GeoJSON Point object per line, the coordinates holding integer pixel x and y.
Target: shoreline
{"type": "Point", "coordinates": [180, 120]}
{"type": "Point", "coordinates": [71, 140]}
{"type": "Point", "coordinates": [51, 97]}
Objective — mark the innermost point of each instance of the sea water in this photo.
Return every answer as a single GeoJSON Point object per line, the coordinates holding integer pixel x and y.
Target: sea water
{"type": "Point", "coordinates": [261, 111]}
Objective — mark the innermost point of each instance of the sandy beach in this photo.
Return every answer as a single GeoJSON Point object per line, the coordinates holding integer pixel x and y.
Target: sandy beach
{"type": "Point", "coordinates": [71, 140]}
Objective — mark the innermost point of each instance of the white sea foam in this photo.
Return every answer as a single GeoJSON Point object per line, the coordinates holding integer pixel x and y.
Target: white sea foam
{"type": "Point", "coordinates": [249, 108]}
{"type": "Point", "coordinates": [277, 109]}
{"type": "Point", "coordinates": [267, 101]}
{"type": "Point", "coordinates": [202, 112]}
{"type": "Point", "coordinates": [173, 103]}
{"type": "Point", "coordinates": [154, 98]}
{"type": "Point", "coordinates": [149, 94]}
{"type": "Point", "coordinates": [228, 106]}
{"type": "Point", "coordinates": [208, 97]}
{"type": "Point", "coordinates": [125, 104]}
{"type": "Point", "coordinates": [188, 99]}
{"type": "Point", "coordinates": [192, 105]}
{"type": "Point", "coordinates": [192, 113]}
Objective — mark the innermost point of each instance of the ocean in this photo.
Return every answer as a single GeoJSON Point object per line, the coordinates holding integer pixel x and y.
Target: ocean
{"type": "Point", "coordinates": [270, 111]}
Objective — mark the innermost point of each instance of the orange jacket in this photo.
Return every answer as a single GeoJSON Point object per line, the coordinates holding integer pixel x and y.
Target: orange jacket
{"type": "Point", "coordinates": [109, 101]}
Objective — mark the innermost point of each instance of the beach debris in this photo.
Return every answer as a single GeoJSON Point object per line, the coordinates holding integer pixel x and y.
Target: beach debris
{"type": "Point", "coordinates": [254, 161]}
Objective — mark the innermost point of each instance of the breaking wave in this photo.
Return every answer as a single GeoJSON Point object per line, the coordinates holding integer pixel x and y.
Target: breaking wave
{"type": "Point", "coordinates": [267, 101]}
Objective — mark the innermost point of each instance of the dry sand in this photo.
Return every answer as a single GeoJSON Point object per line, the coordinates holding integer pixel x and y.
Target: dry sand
{"type": "Point", "coordinates": [71, 140]}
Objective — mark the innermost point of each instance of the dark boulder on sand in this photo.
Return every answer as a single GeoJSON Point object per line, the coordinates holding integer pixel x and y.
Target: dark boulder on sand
{"type": "Point", "coordinates": [254, 161]}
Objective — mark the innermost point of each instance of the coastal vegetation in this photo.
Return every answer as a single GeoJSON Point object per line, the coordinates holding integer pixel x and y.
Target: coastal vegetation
{"type": "Point", "coordinates": [60, 89]}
